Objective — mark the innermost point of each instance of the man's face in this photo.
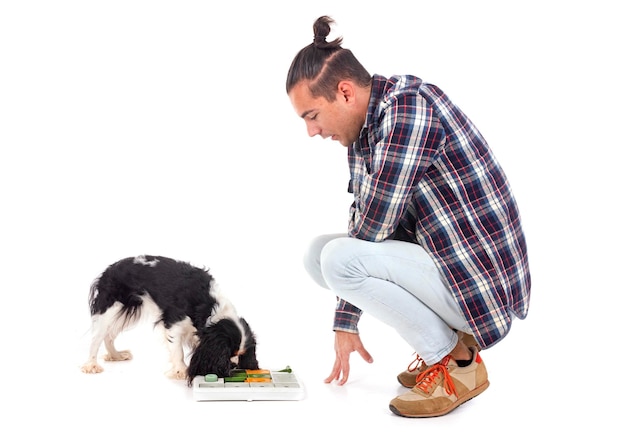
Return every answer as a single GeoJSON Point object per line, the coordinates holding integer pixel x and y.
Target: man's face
{"type": "Point", "coordinates": [338, 119]}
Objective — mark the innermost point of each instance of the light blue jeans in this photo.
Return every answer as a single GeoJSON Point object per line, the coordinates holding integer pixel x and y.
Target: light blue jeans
{"type": "Point", "coordinates": [394, 281]}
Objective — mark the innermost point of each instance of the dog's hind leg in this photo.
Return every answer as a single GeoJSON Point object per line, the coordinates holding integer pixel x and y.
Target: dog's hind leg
{"type": "Point", "coordinates": [113, 355]}
{"type": "Point", "coordinates": [105, 327]}
{"type": "Point", "coordinates": [98, 328]}
{"type": "Point", "coordinates": [118, 322]}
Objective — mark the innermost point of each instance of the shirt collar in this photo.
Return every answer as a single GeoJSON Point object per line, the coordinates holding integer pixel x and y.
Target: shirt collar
{"type": "Point", "coordinates": [376, 95]}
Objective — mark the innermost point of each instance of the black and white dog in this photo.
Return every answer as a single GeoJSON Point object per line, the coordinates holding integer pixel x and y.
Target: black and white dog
{"type": "Point", "coordinates": [184, 300]}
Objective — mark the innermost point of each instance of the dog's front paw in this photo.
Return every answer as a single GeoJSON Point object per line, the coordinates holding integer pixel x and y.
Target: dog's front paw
{"type": "Point", "coordinates": [176, 373]}
{"type": "Point", "coordinates": [91, 368]}
{"type": "Point", "coordinates": [118, 356]}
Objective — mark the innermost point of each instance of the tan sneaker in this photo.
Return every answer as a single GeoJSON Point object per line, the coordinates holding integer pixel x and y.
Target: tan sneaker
{"type": "Point", "coordinates": [417, 366]}
{"type": "Point", "coordinates": [442, 387]}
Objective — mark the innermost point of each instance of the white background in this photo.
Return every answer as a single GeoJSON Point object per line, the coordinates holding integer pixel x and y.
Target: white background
{"type": "Point", "coordinates": [155, 127]}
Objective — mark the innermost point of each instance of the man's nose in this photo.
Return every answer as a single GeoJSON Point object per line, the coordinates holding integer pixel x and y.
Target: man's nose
{"type": "Point", "coordinates": [313, 129]}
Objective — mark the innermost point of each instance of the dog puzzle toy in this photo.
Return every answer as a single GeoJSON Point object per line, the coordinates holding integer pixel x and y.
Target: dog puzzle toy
{"type": "Point", "coordinates": [249, 385]}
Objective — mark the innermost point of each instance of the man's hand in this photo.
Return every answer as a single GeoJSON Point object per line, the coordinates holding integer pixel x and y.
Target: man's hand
{"type": "Point", "coordinates": [345, 344]}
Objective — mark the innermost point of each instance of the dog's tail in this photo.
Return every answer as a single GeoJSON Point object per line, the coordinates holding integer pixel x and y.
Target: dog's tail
{"type": "Point", "coordinates": [101, 299]}
{"type": "Point", "coordinates": [130, 313]}
{"type": "Point", "coordinates": [93, 294]}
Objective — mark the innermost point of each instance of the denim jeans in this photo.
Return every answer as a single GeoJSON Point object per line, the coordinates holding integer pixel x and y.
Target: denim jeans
{"type": "Point", "coordinates": [396, 282]}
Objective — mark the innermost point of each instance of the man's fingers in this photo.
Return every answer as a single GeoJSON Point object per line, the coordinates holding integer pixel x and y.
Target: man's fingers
{"type": "Point", "coordinates": [366, 355]}
{"type": "Point", "coordinates": [335, 373]}
{"type": "Point", "coordinates": [345, 373]}
{"type": "Point", "coordinates": [340, 372]}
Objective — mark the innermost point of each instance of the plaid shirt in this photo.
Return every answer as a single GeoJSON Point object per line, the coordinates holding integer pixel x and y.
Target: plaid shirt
{"type": "Point", "coordinates": [422, 172]}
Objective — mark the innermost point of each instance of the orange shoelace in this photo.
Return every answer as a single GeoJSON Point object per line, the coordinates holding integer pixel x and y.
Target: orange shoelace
{"type": "Point", "coordinates": [426, 379]}
{"type": "Point", "coordinates": [416, 363]}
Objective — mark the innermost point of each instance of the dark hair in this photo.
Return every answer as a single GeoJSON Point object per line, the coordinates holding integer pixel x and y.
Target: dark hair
{"type": "Point", "coordinates": [325, 64]}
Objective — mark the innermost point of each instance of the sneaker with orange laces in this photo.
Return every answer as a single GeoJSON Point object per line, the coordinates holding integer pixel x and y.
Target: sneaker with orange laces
{"type": "Point", "coordinates": [442, 387]}
{"type": "Point", "coordinates": [417, 366]}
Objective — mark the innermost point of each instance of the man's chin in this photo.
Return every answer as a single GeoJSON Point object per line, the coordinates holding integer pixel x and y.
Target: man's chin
{"type": "Point", "coordinates": [341, 141]}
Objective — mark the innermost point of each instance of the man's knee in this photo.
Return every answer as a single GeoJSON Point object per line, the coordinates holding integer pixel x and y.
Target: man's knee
{"type": "Point", "coordinates": [312, 258]}
{"type": "Point", "coordinates": [336, 259]}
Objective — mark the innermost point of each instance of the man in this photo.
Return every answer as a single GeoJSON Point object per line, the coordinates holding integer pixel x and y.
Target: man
{"type": "Point", "coordinates": [434, 246]}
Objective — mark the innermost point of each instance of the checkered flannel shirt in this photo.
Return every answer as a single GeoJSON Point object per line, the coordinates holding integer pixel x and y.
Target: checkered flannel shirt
{"type": "Point", "coordinates": [421, 168]}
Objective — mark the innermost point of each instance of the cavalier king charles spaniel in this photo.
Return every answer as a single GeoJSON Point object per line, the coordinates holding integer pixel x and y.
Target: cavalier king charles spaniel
{"type": "Point", "coordinates": [184, 300]}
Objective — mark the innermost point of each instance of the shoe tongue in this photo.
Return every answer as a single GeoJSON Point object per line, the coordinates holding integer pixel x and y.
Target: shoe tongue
{"type": "Point", "coordinates": [432, 377]}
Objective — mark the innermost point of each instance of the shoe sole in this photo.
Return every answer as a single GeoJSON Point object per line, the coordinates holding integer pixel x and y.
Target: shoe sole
{"type": "Point", "coordinates": [469, 396]}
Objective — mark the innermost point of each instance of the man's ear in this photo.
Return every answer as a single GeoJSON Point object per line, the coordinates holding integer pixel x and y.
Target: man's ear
{"type": "Point", "coordinates": [346, 91]}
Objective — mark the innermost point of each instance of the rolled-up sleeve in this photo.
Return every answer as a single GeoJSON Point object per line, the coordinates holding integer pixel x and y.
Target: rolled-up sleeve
{"type": "Point", "coordinates": [347, 317]}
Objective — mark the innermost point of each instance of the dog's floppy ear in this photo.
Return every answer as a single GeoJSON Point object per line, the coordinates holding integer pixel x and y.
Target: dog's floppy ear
{"type": "Point", "coordinates": [217, 344]}
{"type": "Point", "coordinates": [248, 359]}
